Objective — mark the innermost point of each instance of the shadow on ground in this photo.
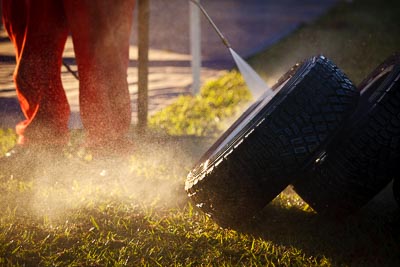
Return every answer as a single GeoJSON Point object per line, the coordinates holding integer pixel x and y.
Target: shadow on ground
{"type": "Point", "coordinates": [369, 238]}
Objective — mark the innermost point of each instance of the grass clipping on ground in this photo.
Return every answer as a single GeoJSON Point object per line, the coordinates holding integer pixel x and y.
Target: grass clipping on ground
{"type": "Point", "coordinates": [204, 114]}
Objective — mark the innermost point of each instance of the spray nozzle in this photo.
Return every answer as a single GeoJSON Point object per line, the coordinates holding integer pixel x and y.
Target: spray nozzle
{"type": "Point", "coordinates": [224, 40]}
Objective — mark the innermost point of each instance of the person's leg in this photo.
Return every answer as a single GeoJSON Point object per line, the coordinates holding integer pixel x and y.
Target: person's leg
{"type": "Point", "coordinates": [39, 31]}
{"type": "Point", "coordinates": [14, 17]}
{"type": "Point", "coordinates": [100, 33]}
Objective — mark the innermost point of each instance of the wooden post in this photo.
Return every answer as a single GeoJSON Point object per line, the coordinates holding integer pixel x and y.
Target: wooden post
{"type": "Point", "coordinates": [195, 46]}
{"type": "Point", "coordinates": [143, 62]}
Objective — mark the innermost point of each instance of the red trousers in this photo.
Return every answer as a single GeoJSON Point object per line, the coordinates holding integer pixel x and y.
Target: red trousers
{"type": "Point", "coordinates": [100, 31]}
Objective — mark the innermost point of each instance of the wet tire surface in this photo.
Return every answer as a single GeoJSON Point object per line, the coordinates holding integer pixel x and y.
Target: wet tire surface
{"type": "Point", "coordinates": [362, 159]}
{"type": "Point", "coordinates": [236, 182]}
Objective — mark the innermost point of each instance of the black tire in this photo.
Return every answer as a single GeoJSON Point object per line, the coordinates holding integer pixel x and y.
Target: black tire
{"type": "Point", "coordinates": [361, 160]}
{"type": "Point", "coordinates": [256, 158]}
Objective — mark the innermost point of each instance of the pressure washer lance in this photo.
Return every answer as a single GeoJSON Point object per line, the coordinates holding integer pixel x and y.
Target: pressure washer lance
{"type": "Point", "coordinates": [258, 88]}
{"type": "Point", "coordinates": [224, 41]}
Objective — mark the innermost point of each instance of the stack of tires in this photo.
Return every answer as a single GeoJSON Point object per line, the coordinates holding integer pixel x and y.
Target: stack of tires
{"type": "Point", "coordinates": [337, 144]}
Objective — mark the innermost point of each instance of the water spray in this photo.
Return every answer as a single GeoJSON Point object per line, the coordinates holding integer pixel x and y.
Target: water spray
{"type": "Point", "coordinates": [223, 39]}
{"type": "Point", "coordinates": [257, 86]}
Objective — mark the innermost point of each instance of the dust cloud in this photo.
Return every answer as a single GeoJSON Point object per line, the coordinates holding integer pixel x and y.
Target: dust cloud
{"type": "Point", "coordinates": [153, 176]}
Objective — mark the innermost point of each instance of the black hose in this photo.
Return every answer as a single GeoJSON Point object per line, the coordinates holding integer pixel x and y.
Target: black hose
{"type": "Point", "coordinates": [74, 73]}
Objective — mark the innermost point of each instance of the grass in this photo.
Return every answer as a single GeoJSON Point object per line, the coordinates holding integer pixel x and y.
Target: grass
{"type": "Point", "coordinates": [205, 113]}
{"type": "Point", "coordinates": [68, 216]}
